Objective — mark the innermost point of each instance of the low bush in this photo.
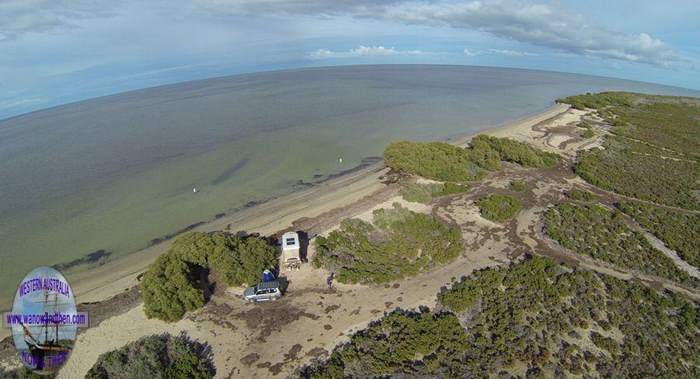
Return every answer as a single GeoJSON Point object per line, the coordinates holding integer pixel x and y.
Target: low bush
{"type": "Point", "coordinates": [600, 100]}
{"type": "Point", "coordinates": [23, 373]}
{"type": "Point", "coordinates": [499, 208]}
{"type": "Point", "coordinates": [518, 185]}
{"type": "Point", "coordinates": [444, 162]}
{"type": "Point", "coordinates": [580, 195]}
{"type": "Point", "coordinates": [450, 188]}
{"type": "Point", "coordinates": [510, 150]}
{"type": "Point", "coordinates": [420, 193]}
{"type": "Point", "coordinates": [424, 193]}
{"type": "Point", "coordinates": [156, 356]}
{"type": "Point", "coordinates": [176, 282]}
{"type": "Point", "coordinates": [587, 133]}
{"type": "Point", "coordinates": [432, 160]}
{"type": "Point", "coordinates": [399, 243]}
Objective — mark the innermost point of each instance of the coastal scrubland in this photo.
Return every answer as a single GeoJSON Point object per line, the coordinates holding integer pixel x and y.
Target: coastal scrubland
{"type": "Point", "coordinates": [433, 160]}
{"type": "Point", "coordinates": [446, 162]}
{"type": "Point", "coordinates": [621, 168]}
{"type": "Point", "coordinates": [534, 319]}
{"type": "Point", "coordinates": [397, 244]}
{"type": "Point", "coordinates": [652, 152]}
{"type": "Point", "coordinates": [156, 356]}
{"type": "Point", "coordinates": [679, 230]}
{"type": "Point", "coordinates": [179, 280]}
{"type": "Point", "coordinates": [510, 150]}
{"type": "Point", "coordinates": [602, 234]}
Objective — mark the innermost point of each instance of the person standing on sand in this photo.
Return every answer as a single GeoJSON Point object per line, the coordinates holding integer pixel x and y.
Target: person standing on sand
{"type": "Point", "coordinates": [329, 281]}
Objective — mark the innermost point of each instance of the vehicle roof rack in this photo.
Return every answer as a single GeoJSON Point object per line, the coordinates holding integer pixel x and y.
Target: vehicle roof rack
{"type": "Point", "coordinates": [268, 285]}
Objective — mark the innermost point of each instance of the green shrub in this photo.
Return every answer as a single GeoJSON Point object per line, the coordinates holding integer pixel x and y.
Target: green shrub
{"type": "Point", "coordinates": [156, 356]}
{"type": "Point", "coordinates": [444, 162]}
{"type": "Point", "coordinates": [510, 150]}
{"type": "Point", "coordinates": [580, 195]}
{"type": "Point", "coordinates": [605, 343]}
{"type": "Point", "coordinates": [174, 283]}
{"type": "Point", "coordinates": [399, 243]}
{"type": "Point", "coordinates": [518, 185]}
{"type": "Point", "coordinates": [424, 193]}
{"type": "Point", "coordinates": [23, 373]}
{"type": "Point", "coordinates": [432, 160]}
{"type": "Point", "coordinates": [420, 193]}
{"type": "Point", "coordinates": [600, 100]}
{"type": "Point", "coordinates": [483, 154]}
{"type": "Point", "coordinates": [450, 188]}
{"type": "Point", "coordinates": [499, 208]}
{"type": "Point", "coordinates": [587, 133]}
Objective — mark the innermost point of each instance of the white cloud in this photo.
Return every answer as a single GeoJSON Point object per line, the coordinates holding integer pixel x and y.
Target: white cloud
{"type": "Point", "coordinates": [18, 17]}
{"type": "Point", "coordinates": [365, 51]}
{"type": "Point", "coordinates": [470, 53]}
{"type": "Point", "coordinates": [513, 53]}
{"type": "Point", "coordinates": [540, 24]}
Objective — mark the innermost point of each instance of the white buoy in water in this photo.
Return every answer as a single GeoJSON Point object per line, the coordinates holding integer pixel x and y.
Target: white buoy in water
{"type": "Point", "coordinates": [340, 160]}
{"type": "Point", "coordinates": [195, 190]}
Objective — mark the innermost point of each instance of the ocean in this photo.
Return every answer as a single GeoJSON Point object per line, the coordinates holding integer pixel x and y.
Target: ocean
{"type": "Point", "coordinates": [112, 175]}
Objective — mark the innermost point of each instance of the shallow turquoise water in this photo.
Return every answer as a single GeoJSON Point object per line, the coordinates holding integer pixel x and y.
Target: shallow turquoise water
{"type": "Point", "coordinates": [116, 172]}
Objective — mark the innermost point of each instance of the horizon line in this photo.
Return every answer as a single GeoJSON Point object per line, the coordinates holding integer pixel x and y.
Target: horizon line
{"type": "Point", "coordinates": [311, 68]}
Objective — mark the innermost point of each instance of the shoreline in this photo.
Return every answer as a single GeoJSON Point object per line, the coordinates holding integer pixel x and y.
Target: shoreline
{"type": "Point", "coordinates": [509, 128]}
{"type": "Point", "coordinates": [120, 275]}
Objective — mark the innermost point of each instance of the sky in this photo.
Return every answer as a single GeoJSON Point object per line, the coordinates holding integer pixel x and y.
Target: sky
{"type": "Point", "coordinates": [54, 52]}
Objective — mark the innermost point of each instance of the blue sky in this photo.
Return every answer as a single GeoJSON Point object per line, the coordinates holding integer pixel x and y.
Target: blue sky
{"type": "Point", "coordinates": [58, 51]}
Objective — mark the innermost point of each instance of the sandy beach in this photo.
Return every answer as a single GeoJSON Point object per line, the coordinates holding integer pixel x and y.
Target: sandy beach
{"type": "Point", "coordinates": [250, 340]}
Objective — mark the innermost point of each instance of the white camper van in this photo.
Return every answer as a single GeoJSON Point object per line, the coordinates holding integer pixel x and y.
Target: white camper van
{"type": "Point", "coordinates": [290, 251]}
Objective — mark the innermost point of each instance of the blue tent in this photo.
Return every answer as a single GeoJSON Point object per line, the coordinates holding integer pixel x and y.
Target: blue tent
{"type": "Point", "coordinates": [268, 276]}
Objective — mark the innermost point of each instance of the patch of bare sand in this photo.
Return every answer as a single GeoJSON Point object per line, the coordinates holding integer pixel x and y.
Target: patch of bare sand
{"type": "Point", "coordinates": [559, 133]}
